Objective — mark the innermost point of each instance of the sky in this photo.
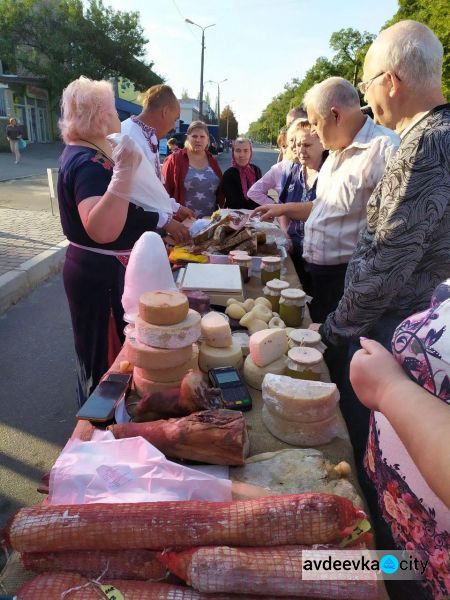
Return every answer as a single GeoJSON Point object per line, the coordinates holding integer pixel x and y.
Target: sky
{"type": "Point", "coordinates": [257, 45]}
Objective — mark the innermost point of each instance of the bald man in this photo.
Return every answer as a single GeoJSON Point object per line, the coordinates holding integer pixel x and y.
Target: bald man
{"type": "Point", "coordinates": [404, 251]}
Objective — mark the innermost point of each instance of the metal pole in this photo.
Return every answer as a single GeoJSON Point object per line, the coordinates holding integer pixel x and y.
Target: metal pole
{"type": "Point", "coordinates": [228, 115]}
{"type": "Point", "coordinates": [218, 104]}
{"type": "Point", "coordinates": [201, 74]}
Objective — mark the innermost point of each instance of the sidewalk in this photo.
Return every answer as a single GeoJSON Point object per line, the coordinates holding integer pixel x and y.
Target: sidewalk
{"type": "Point", "coordinates": [32, 244]}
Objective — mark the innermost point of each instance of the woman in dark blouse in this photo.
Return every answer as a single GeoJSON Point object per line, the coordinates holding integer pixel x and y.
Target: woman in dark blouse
{"type": "Point", "coordinates": [240, 176]}
{"type": "Point", "coordinates": [94, 190]}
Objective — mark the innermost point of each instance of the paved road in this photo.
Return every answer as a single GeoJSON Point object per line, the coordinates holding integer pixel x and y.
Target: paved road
{"type": "Point", "coordinates": [37, 366]}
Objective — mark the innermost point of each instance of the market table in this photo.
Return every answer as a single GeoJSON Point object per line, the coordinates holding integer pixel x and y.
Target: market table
{"type": "Point", "coordinates": [261, 441]}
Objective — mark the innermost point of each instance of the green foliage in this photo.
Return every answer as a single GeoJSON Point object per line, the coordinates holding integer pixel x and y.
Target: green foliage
{"type": "Point", "coordinates": [350, 47]}
{"type": "Point", "coordinates": [228, 126]}
{"type": "Point", "coordinates": [433, 15]}
{"type": "Point", "coordinates": [61, 40]}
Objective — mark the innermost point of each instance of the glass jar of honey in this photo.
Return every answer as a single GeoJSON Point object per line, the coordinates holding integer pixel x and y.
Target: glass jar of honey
{"type": "Point", "coordinates": [270, 268]}
{"type": "Point", "coordinates": [292, 306]}
{"type": "Point", "coordinates": [272, 291]}
{"type": "Point", "coordinates": [304, 363]}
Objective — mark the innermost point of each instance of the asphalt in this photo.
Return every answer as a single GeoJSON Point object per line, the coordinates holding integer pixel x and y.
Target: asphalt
{"type": "Point", "coordinates": [32, 244]}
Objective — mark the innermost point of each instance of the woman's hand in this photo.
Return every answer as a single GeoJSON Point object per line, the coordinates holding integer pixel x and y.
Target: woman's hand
{"type": "Point", "coordinates": [268, 212]}
{"type": "Point", "coordinates": [373, 372]}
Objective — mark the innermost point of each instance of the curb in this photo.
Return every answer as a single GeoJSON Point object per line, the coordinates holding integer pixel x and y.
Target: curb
{"type": "Point", "coordinates": [19, 282]}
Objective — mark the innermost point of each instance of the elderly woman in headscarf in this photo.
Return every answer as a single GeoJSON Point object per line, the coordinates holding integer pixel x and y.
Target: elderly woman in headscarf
{"type": "Point", "coordinates": [240, 177]}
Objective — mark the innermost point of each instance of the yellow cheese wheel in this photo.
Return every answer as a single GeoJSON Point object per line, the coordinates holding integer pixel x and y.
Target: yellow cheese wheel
{"type": "Point", "coordinates": [172, 373]}
{"type": "Point", "coordinates": [254, 375]}
{"type": "Point", "coordinates": [163, 307]}
{"type": "Point", "coordinates": [148, 357]}
{"type": "Point", "coordinates": [146, 386]}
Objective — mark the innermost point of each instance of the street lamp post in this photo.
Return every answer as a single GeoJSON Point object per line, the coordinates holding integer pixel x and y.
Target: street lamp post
{"type": "Point", "coordinates": [202, 62]}
{"type": "Point", "coordinates": [218, 96]}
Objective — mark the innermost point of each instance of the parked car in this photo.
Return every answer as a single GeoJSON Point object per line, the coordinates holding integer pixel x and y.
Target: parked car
{"type": "Point", "coordinates": [213, 145]}
{"type": "Point", "coordinates": [221, 145]}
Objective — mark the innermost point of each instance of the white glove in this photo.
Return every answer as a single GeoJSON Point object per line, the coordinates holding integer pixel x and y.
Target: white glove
{"type": "Point", "coordinates": [127, 157]}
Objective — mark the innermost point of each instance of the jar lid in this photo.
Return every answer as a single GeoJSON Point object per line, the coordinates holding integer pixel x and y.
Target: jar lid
{"type": "Point", "coordinates": [304, 355]}
{"type": "Point", "coordinates": [238, 259]}
{"type": "Point", "coordinates": [277, 284]}
{"type": "Point", "coordinates": [293, 294]}
{"type": "Point", "coordinates": [271, 260]}
{"type": "Point", "coordinates": [305, 336]}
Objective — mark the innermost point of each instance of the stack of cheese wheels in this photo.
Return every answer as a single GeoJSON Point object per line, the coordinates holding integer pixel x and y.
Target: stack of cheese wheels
{"type": "Point", "coordinates": [162, 347]}
{"type": "Point", "coordinates": [268, 349]}
{"type": "Point", "coordinates": [218, 349]}
{"type": "Point", "coordinates": [300, 412]}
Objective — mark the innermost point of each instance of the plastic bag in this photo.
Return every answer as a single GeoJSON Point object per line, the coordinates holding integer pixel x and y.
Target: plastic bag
{"type": "Point", "coordinates": [148, 191]}
{"type": "Point", "coordinates": [22, 144]}
{"type": "Point", "coordinates": [128, 470]}
{"type": "Point", "coordinates": [148, 269]}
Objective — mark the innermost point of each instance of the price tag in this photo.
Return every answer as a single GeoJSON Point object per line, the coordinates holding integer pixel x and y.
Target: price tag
{"type": "Point", "coordinates": [111, 592]}
{"type": "Point", "coordinates": [361, 528]}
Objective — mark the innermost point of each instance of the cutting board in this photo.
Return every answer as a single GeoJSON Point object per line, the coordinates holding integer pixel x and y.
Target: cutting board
{"type": "Point", "coordinates": [213, 278]}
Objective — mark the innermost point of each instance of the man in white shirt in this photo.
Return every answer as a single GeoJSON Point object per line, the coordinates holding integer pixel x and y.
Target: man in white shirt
{"type": "Point", "coordinates": [359, 150]}
{"type": "Point", "coordinates": [161, 110]}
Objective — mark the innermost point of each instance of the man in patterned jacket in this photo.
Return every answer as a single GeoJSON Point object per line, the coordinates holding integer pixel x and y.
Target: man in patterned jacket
{"type": "Point", "coordinates": [404, 252]}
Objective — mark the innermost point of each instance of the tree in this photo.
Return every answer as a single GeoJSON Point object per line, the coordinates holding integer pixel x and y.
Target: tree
{"type": "Point", "coordinates": [228, 126]}
{"type": "Point", "coordinates": [433, 15]}
{"type": "Point", "coordinates": [350, 47]}
{"type": "Point", "coordinates": [184, 94]}
{"type": "Point", "coordinates": [61, 40]}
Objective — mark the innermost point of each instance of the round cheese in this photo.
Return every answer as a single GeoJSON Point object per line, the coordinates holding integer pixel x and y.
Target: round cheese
{"type": "Point", "coordinates": [147, 357]}
{"type": "Point", "coordinates": [299, 400]}
{"type": "Point", "coordinates": [267, 345]}
{"type": "Point", "coordinates": [254, 375]}
{"type": "Point", "coordinates": [216, 330]}
{"type": "Point", "coordinates": [163, 307]}
{"type": "Point", "coordinates": [300, 434]}
{"type": "Point", "coordinates": [146, 386]}
{"type": "Point", "coordinates": [172, 373]}
{"type": "Point", "coordinates": [179, 335]}
{"type": "Point", "coordinates": [211, 358]}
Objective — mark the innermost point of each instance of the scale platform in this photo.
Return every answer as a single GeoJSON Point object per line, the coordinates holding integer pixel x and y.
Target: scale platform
{"type": "Point", "coordinates": [219, 282]}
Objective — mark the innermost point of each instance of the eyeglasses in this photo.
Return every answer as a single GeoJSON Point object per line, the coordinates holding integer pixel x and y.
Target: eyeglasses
{"type": "Point", "coordinates": [363, 86]}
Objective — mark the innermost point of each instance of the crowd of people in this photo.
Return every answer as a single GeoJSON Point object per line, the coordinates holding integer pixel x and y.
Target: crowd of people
{"type": "Point", "coordinates": [365, 203]}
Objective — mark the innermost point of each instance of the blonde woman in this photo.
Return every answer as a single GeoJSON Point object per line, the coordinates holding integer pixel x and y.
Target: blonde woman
{"type": "Point", "coordinates": [94, 191]}
{"type": "Point", "coordinates": [192, 175]}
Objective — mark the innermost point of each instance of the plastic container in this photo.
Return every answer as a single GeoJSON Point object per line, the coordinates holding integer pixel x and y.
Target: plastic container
{"type": "Point", "coordinates": [304, 363]}
{"type": "Point", "coordinates": [270, 268]}
{"type": "Point", "coordinates": [292, 307]}
{"type": "Point", "coordinates": [272, 291]}
{"type": "Point", "coordinates": [244, 263]}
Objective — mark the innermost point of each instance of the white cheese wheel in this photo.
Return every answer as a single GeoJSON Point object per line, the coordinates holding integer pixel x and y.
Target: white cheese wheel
{"type": "Point", "coordinates": [300, 434]}
{"type": "Point", "coordinates": [299, 399]}
{"type": "Point", "coordinates": [146, 386]}
{"type": "Point", "coordinates": [211, 358]}
{"type": "Point", "coordinates": [172, 373]}
{"type": "Point", "coordinates": [254, 375]}
{"type": "Point", "coordinates": [147, 357]}
{"type": "Point", "coordinates": [216, 330]}
{"type": "Point", "coordinates": [267, 345]}
{"type": "Point", "coordinates": [163, 307]}
{"type": "Point", "coordinates": [179, 335]}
